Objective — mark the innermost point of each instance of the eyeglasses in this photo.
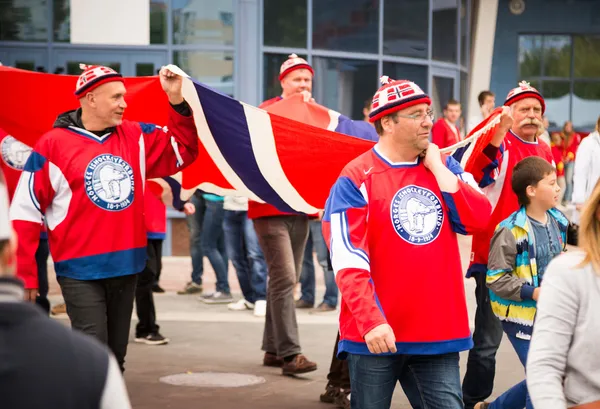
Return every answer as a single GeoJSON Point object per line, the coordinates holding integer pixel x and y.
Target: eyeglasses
{"type": "Point", "coordinates": [419, 118]}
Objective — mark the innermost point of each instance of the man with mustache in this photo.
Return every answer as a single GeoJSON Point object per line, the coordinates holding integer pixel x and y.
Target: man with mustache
{"type": "Point", "coordinates": [515, 139]}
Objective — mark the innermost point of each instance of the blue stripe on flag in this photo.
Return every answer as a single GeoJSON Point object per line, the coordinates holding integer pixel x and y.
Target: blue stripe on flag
{"type": "Point", "coordinates": [227, 122]}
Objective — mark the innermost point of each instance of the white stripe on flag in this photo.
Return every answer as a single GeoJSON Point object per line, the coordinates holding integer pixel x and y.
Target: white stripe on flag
{"type": "Point", "coordinates": [208, 140]}
{"type": "Point", "coordinates": [265, 152]}
{"type": "Point", "coordinates": [334, 120]}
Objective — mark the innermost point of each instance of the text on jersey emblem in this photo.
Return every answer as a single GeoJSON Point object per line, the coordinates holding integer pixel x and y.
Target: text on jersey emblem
{"type": "Point", "coordinates": [109, 182]}
{"type": "Point", "coordinates": [417, 214]}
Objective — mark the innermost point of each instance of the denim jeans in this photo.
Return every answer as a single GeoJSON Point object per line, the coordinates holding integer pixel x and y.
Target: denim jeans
{"type": "Point", "coordinates": [516, 397]}
{"type": "Point", "coordinates": [428, 381]}
{"type": "Point", "coordinates": [307, 277]}
{"type": "Point", "coordinates": [245, 254]}
{"type": "Point", "coordinates": [481, 364]}
{"type": "Point", "coordinates": [213, 243]}
{"type": "Point", "coordinates": [195, 222]}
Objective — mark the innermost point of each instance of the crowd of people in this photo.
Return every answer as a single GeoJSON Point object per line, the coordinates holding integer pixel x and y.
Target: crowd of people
{"type": "Point", "coordinates": [403, 313]}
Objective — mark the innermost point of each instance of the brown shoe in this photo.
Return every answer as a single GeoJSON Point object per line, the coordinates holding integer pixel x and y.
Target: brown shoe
{"type": "Point", "coordinates": [300, 364]}
{"type": "Point", "coordinates": [342, 399]}
{"type": "Point", "coordinates": [322, 308]}
{"type": "Point", "coordinates": [59, 309]}
{"type": "Point", "coordinates": [303, 304]}
{"type": "Point", "coordinates": [272, 360]}
{"type": "Point", "coordinates": [330, 394]}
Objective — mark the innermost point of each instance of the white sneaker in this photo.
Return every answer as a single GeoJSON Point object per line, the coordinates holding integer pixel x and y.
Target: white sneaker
{"type": "Point", "coordinates": [241, 305]}
{"type": "Point", "coordinates": [260, 308]}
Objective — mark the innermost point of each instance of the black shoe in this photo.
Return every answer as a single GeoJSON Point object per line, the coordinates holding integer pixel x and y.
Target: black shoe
{"type": "Point", "coordinates": [152, 339]}
{"type": "Point", "coordinates": [157, 289]}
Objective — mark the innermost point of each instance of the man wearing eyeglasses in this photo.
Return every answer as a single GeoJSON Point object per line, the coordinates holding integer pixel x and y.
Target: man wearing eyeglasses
{"type": "Point", "coordinates": [391, 222]}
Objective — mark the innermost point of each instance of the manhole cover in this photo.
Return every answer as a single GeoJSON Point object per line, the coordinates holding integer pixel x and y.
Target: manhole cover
{"type": "Point", "coordinates": [212, 379]}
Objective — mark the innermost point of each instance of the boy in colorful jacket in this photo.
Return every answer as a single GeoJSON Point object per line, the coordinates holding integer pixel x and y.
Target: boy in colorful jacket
{"type": "Point", "coordinates": [520, 251]}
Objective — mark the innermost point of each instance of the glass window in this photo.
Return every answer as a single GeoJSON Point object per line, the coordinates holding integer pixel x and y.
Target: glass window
{"type": "Point", "coordinates": [442, 92]}
{"type": "Point", "coordinates": [464, 98]}
{"type": "Point", "coordinates": [406, 28]}
{"type": "Point", "coordinates": [346, 25]}
{"type": "Point", "coordinates": [530, 56]}
{"type": "Point", "coordinates": [557, 56]}
{"type": "Point", "coordinates": [445, 13]}
{"type": "Point", "coordinates": [285, 23]}
{"type": "Point", "coordinates": [73, 66]}
{"type": "Point", "coordinates": [586, 104]}
{"type": "Point", "coordinates": [414, 73]}
{"type": "Point", "coordinates": [464, 30]}
{"type": "Point", "coordinates": [558, 101]}
{"type": "Point", "coordinates": [145, 69]}
{"type": "Point", "coordinates": [61, 14]}
{"type": "Point", "coordinates": [271, 65]}
{"type": "Point", "coordinates": [24, 20]}
{"type": "Point", "coordinates": [158, 21]}
{"type": "Point", "coordinates": [214, 69]}
{"type": "Point", "coordinates": [344, 85]}
{"type": "Point", "coordinates": [203, 21]}
{"type": "Point", "coordinates": [587, 56]}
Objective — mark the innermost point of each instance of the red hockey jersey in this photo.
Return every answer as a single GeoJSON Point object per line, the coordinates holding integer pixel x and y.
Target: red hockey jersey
{"type": "Point", "coordinates": [443, 134]}
{"type": "Point", "coordinates": [13, 156]}
{"type": "Point", "coordinates": [90, 190]}
{"type": "Point", "coordinates": [392, 236]}
{"type": "Point", "coordinates": [155, 213]}
{"type": "Point", "coordinates": [493, 172]}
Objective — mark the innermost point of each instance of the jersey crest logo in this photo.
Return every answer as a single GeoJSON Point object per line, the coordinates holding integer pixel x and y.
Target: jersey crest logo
{"type": "Point", "coordinates": [417, 214]}
{"type": "Point", "coordinates": [14, 153]}
{"type": "Point", "coordinates": [109, 182]}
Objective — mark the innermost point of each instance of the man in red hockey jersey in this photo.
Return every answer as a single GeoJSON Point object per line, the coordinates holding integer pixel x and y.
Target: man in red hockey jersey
{"type": "Point", "coordinates": [86, 177]}
{"type": "Point", "coordinates": [514, 140]}
{"type": "Point", "coordinates": [391, 221]}
{"type": "Point", "coordinates": [282, 238]}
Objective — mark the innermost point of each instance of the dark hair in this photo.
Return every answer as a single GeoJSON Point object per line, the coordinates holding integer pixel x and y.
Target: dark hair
{"type": "Point", "coordinates": [368, 103]}
{"type": "Point", "coordinates": [529, 172]}
{"type": "Point", "coordinates": [483, 95]}
{"type": "Point", "coordinates": [379, 128]}
{"type": "Point", "coordinates": [451, 102]}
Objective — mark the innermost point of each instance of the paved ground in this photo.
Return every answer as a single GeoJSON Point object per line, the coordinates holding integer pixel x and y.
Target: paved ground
{"type": "Point", "coordinates": [212, 339]}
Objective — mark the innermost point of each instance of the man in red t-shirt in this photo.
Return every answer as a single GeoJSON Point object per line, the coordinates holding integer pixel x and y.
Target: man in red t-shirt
{"type": "Point", "coordinates": [282, 237]}
{"type": "Point", "coordinates": [445, 132]}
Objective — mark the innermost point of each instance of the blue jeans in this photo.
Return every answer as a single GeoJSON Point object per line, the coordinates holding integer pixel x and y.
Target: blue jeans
{"type": "Point", "coordinates": [213, 243]}
{"type": "Point", "coordinates": [245, 254]}
{"type": "Point", "coordinates": [516, 397]}
{"type": "Point", "coordinates": [307, 277]}
{"type": "Point", "coordinates": [569, 170]}
{"type": "Point", "coordinates": [428, 381]}
{"type": "Point", "coordinates": [481, 364]}
{"type": "Point", "coordinates": [195, 222]}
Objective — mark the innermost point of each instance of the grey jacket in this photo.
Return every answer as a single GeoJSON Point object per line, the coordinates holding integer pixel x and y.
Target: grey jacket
{"type": "Point", "coordinates": [563, 365]}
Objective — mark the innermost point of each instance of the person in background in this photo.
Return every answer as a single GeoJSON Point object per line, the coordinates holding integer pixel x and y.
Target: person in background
{"type": "Point", "coordinates": [557, 153]}
{"type": "Point", "coordinates": [155, 214]}
{"type": "Point", "coordinates": [213, 247]}
{"type": "Point", "coordinates": [544, 134]}
{"type": "Point", "coordinates": [563, 366]}
{"type": "Point", "coordinates": [487, 103]}
{"type": "Point", "coordinates": [247, 257]}
{"type": "Point", "coordinates": [571, 141]}
{"type": "Point", "coordinates": [194, 210]}
{"type": "Point", "coordinates": [366, 109]}
{"type": "Point", "coordinates": [586, 171]}
{"type": "Point", "coordinates": [445, 132]}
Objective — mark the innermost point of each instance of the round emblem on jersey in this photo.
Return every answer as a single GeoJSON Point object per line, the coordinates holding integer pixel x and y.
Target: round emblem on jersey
{"type": "Point", "coordinates": [417, 214]}
{"type": "Point", "coordinates": [109, 182]}
{"type": "Point", "coordinates": [14, 153]}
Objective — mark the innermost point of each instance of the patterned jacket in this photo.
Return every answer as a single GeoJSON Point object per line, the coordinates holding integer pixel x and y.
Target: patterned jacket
{"type": "Point", "coordinates": [512, 254]}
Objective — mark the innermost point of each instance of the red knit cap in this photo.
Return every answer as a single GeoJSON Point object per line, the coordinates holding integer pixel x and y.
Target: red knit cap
{"type": "Point", "coordinates": [293, 63]}
{"type": "Point", "coordinates": [524, 90]}
{"type": "Point", "coordinates": [395, 95]}
{"type": "Point", "coordinates": [93, 76]}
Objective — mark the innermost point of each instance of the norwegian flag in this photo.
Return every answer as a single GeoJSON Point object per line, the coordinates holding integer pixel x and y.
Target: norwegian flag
{"type": "Point", "coordinates": [392, 94]}
{"type": "Point", "coordinates": [375, 103]}
{"type": "Point", "coordinates": [289, 156]}
{"type": "Point", "coordinates": [406, 90]}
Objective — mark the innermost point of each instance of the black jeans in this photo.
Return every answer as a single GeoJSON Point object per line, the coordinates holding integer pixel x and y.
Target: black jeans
{"type": "Point", "coordinates": [102, 309]}
{"type": "Point", "coordinates": [144, 299]}
{"type": "Point", "coordinates": [339, 374]}
{"type": "Point", "coordinates": [41, 258]}
{"type": "Point", "coordinates": [481, 365]}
